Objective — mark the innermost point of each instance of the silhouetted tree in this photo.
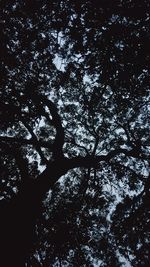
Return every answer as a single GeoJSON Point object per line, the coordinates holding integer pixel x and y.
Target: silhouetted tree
{"type": "Point", "coordinates": [74, 138]}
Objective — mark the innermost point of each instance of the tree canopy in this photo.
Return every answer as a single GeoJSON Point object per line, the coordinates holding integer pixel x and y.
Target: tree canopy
{"type": "Point", "coordinates": [74, 135]}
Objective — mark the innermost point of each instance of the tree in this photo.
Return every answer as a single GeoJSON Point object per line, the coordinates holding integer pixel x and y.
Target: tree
{"type": "Point", "coordinates": [74, 133]}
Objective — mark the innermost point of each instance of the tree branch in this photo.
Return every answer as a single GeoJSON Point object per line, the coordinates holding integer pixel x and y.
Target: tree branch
{"type": "Point", "coordinates": [34, 137]}
{"type": "Point", "coordinates": [21, 142]}
{"type": "Point", "coordinates": [56, 121]}
{"type": "Point", "coordinates": [59, 167]}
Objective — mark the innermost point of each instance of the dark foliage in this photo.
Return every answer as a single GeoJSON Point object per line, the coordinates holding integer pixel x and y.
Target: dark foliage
{"type": "Point", "coordinates": [74, 136]}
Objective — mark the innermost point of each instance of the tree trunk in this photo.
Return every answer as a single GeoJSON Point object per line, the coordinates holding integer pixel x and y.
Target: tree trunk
{"type": "Point", "coordinates": [18, 218]}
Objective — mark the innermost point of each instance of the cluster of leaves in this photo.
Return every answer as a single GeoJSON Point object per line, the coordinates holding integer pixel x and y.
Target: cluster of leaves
{"type": "Point", "coordinates": [91, 59]}
{"type": "Point", "coordinates": [133, 230]}
{"type": "Point", "coordinates": [74, 222]}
